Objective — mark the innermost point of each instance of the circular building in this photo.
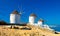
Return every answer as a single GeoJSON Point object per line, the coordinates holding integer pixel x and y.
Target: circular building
{"type": "Point", "coordinates": [15, 17]}
{"type": "Point", "coordinates": [32, 18]}
{"type": "Point", "coordinates": [41, 21]}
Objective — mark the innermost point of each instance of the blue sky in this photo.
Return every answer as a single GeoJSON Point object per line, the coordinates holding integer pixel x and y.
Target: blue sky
{"type": "Point", "coordinates": [49, 10]}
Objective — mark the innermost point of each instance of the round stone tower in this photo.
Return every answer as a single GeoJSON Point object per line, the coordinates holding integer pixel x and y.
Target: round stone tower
{"type": "Point", "coordinates": [15, 17]}
{"type": "Point", "coordinates": [41, 22]}
{"type": "Point", "coordinates": [32, 18]}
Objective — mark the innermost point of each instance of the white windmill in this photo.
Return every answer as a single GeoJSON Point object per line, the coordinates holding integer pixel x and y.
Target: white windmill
{"type": "Point", "coordinates": [15, 16]}
{"type": "Point", "coordinates": [32, 18]}
{"type": "Point", "coordinates": [40, 22]}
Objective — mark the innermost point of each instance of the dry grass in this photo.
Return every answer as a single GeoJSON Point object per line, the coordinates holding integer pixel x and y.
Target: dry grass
{"type": "Point", "coordinates": [35, 31]}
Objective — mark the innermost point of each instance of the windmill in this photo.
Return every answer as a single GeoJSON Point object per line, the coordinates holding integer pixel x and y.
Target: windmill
{"type": "Point", "coordinates": [41, 21]}
{"type": "Point", "coordinates": [21, 11]}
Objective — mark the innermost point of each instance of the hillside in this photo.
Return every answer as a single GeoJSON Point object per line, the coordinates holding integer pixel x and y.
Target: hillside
{"type": "Point", "coordinates": [28, 30]}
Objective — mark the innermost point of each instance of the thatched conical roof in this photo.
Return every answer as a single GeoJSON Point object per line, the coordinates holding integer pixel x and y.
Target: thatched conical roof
{"type": "Point", "coordinates": [15, 12]}
{"type": "Point", "coordinates": [41, 20]}
{"type": "Point", "coordinates": [33, 15]}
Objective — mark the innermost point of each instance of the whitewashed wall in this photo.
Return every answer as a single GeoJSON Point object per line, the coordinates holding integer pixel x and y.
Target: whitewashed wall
{"type": "Point", "coordinates": [31, 19]}
{"type": "Point", "coordinates": [14, 18]}
{"type": "Point", "coordinates": [40, 22]}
